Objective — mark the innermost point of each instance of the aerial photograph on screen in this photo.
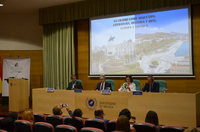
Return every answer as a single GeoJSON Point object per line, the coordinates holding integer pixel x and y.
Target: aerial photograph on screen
{"type": "Point", "coordinates": [150, 43]}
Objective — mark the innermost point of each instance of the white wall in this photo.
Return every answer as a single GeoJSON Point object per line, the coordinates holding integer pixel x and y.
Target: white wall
{"type": "Point", "coordinates": [20, 32]}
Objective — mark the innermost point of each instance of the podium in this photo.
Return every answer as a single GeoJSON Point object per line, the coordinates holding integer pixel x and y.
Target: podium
{"type": "Point", "coordinates": [18, 95]}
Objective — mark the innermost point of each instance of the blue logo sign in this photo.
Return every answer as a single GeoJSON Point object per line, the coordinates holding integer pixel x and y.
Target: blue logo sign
{"type": "Point", "coordinates": [11, 84]}
{"type": "Point", "coordinates": [91, 103]}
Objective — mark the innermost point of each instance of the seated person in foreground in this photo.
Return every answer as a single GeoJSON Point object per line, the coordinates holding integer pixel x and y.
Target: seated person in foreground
{"type": "Point", "coordinates": [77, 113]}
{"type": "Point", "coordinates": [124, 125]}
{"type": "Point", "coordinates": [99, 114]}
{"type": "Point", "coordinates": [152, 118]}
{"type": "Point", "coordinates": [57, 110]}
{"type": "Point", "coordinates": [103, 85]}
{"type": "Point", "coordinates": [28, 115]}
{"type": "Point", "coordinates": [73, 83]}
{"type": "Point", "coordinates": [128, 85]}
{"type": "Point", "coordinates": [151, 86]}
{"type": "Point", "coordinates": [8, 124]}
{"type": "Point", "coordinates": [191, 129]}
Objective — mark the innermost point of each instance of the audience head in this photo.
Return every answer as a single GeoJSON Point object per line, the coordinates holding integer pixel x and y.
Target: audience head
{"type": "Point", "coordinates": [150, 80]}
{"type": "Point", "coordinates": [122, 124]}
{"type": "Point", "coordinates": [99, 113]}
{"type": "Point", "coordinates": [28, 115]}
{"type": "Point", "coordinates": [57, 110]}
{"type": "Point", "coordinates": [73, 77]}
{"type": "Point", "coordinates": [77, 113]}
{"type": "Point", "coordinates": [128, 79]}
{"type": "Point", "coordinates": [8, 124]}
{"type": "Point", "coordinates": [191, 129]}
{"type": "Point", "coordinates": [13, 115]}
{"type": "Point", "coordinates": [126, 112]}
{"type": "Point", "coordinates": [152, 118]}
{"type": "Point", "coordinates": [102, 78]}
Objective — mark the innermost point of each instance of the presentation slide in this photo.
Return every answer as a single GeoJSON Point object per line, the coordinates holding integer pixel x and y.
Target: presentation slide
{"type": "Point", "coordinates": [154, 43]}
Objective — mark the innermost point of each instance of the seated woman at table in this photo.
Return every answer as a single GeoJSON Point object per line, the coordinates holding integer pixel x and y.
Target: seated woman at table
{"type": "Point", "coordinates": [128, 85]}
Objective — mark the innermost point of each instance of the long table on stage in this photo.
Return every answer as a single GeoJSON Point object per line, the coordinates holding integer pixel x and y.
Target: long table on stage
{"type": "Point", "coordinates": [181, 109]}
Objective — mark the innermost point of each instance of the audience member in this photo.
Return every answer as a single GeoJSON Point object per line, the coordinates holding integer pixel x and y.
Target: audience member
{"type": "Point", "coordinates": [123, 124]}
{"type": "Point", "coordinates": [99, 114]}
{"type": "Point", "coordinates": [57, 110]}
{"type": "Point", "coordinates": [77, 113]}
{"type": "Point", "coordinates": [8, 124]}
{"type": "Point", "coordinates": [28, 115]}
{"type": "Point", "coordinates": [191, 129]}
{"type": "Point", "coordinates": [126, 112]}
{"type": "Point", "coordinates": [128, 85]}
{"type": "Point", "coordinates": [13, 115]}
{"type": "Point", "coordinates": [152, 118]}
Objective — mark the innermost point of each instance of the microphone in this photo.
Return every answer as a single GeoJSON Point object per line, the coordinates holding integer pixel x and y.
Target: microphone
{"type": "Point", "coordinates": [57, 87]}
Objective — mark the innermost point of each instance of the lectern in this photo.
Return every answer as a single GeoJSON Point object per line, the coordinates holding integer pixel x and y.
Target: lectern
{"type": "Point", "coordinates": [18, 95]}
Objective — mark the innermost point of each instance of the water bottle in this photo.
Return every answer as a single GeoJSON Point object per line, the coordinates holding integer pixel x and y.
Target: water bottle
{"type": "Point", "coordinates": [57, 87]}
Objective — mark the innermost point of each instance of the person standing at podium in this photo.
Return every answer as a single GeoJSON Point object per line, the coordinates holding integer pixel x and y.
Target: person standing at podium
{"type": "Point", "coordinates": [151, 86]}
{"type": "Point", "coordinates": [73, 83]}
{"type": "Point", "coordinates": [103, 85]}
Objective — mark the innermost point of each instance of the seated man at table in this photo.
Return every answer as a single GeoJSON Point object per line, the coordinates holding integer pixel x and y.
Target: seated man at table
{"type": "Point", "coordinates": [73, 83]}
{"type": "Point", "coordinates": [151, 86]}
{"type": "Point", "coordinates": [99, 114]}
{"type": "Point", "coordinates": [57, 110]}
{"type": "Point", "coordinates": [103, 85]}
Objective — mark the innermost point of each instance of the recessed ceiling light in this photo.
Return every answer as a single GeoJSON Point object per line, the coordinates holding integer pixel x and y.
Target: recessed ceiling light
{"type": "Point", "coordinates": [1, 4]}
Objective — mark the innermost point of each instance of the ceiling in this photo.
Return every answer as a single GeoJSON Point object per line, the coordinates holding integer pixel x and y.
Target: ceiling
{"type": "Point", "coordinates": [29, 6]}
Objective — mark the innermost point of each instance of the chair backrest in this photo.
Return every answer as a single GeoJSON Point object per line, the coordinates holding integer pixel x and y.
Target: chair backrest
{"type": "Point", "coordinates": [65, 128]}
{"type": "Point", "coordinates": [43, 127]}
{"type": "Point", "coordinates": [91, 129]}
{"type": "Point", "coordinates": [162, 85]}
{"type": "Point", "coordinates": [39, 117]}
{"type": "Point", "coordinates": [145, 127]}
{"type": "Point", "coordinates": [2, 130]}
{"type": "Point", "coordinates": [111, 125]}
{"type": "Point", "coordinates": [112, 83]}
{"type": "Point", "coordinates": [55, 120]}
{"type": "Point", "coordinates": [171, 129]}
{"type": "Point", "coordinates": [198, 128]}
{"type": "Point", "coordinates": [23, 126]}
{"type": "Point", "coordinates": [137, 84]}
{"type": "Point", "coordinates": [97, 123]}
{"type": "Point", "coordinates": [76, 122]}
{"type": "Point", "coordinates": [78, 81]}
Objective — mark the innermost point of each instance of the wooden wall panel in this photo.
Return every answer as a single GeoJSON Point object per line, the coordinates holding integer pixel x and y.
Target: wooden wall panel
{"type": "Point", "coordinates": [179, 85]}
{"type": "Point", "coordinates": [36, 71]}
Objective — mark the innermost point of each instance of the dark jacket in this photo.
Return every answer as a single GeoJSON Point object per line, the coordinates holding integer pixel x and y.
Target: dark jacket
{"type": "Point", "coordinates": [155, 87]}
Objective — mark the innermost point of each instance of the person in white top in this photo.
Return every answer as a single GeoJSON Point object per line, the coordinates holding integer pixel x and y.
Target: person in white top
{"type": "Point", "coordinates": [128, 85]}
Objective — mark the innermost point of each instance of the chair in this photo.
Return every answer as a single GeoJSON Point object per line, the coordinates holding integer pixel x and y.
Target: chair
{"type": "Point", "coordinates": [145, 127]}
{"type": "Point", "coordinates": [198, 128]}
{"type": "Point", "coordinates": [2, 130]}
{"type": "Point", "coordinates": [137, 84]}
{"type": "Point", "coordinates": [65, 128]}
{"type": "Point", "coordinates": [76, 122]}
{"type": "Point", "coordinates": [23, 126]}
{"type": "Point", "coordinates": [171, 129]}
{"type": "Point", "coordinates": [111, 125]}
{"type": "Point", "coordinates": [78, 81]}
{"type": "Point", "coordinates": [43, 127]}
{"type": "Point", "coordinates": [97, 123]}
{"type": "Point", "coordinates": [55, 120]}
{"type": "Point", "coordinates": [39, 117]}
{"type": "Point", "coordinates": [112, 83]}
{"type": "Point", "coordinates": [162, 85]}
{"type": "Point", "coordinates": [91, 129]}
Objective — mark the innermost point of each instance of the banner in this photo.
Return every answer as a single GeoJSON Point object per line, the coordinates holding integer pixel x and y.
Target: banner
{"type": "Point", "coordinates": [15, 68]}
{"type": "Point", "coordinates": [0, 77]}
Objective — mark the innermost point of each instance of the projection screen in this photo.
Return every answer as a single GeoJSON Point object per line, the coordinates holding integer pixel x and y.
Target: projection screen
{"type": "Point", "coordinates": [153, 43]}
